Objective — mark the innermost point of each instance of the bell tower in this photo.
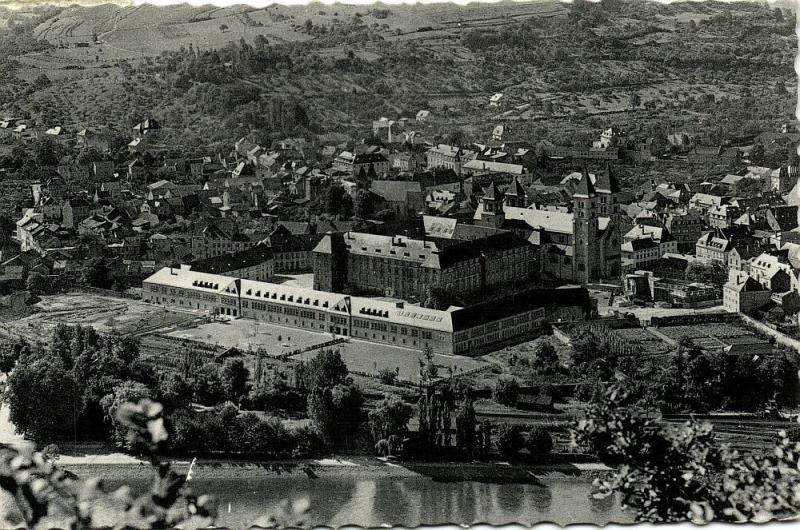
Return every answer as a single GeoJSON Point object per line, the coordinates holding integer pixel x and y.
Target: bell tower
{"type": "Point", "coordinates": [586, 253]}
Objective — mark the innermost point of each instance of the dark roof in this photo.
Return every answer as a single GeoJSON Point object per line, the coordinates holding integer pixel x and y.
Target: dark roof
{"type": "Point", "coordinates": [607, 181]}
{"type": "Point", "coordinates": [492, 193]}
{"type": "Point", "coordinates": [515, 189]}
{"type": "Point", "coordinates": [643, 244]}
{"type": "Point", "coordinates": [235, 261]}
{"type": "Point", "coordinates": [520, 302]}
{"type": "Point", "coordinates": [585, 187]}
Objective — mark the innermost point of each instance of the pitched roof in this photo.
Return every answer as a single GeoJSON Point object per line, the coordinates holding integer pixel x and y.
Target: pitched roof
{"type": "Point", "coordinates": [235, 261]}
{"type": "Point", "coordinates": [607, 182]}
{"type": "Point", "coordinates": [394, 190]}
{"type": "Point", "coordinates": [516, 189]}
{"type": "Point", "coordinates": [492, 193]}
{"type": "Point", "coordinates": [585, 187]}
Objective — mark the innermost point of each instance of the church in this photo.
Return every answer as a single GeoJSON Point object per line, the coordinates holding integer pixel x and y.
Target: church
{"type": "Point", "coordinates": [582, 245]}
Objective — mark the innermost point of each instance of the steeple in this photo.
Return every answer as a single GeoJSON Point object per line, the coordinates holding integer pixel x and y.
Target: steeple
{"type": "Point", "coordinates": [516, 194]}
{"type": "Point", "coordinates": [585, 187]}
{"type": "Point", "coordinates": [606, 181]}
{"type": "Point", "coordinates": [492, 205]}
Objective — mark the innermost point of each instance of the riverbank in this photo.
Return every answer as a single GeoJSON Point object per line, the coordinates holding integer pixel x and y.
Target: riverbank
{"type": "Point", "coordinates": [356, 468]}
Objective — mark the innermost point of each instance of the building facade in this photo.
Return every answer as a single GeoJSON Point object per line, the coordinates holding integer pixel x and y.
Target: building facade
{"type": "Point", "coordinates": [464, 331]}
{"type": "Point", "coordinates": [407, 268]}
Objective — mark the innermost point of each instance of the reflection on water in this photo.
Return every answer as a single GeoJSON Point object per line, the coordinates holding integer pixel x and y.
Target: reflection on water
{"type": "Point", "coordinates": [410, 501]}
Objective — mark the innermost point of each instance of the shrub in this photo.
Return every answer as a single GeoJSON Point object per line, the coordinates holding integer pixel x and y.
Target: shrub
{"type": "Point", "coordinates": [509, 440]}
{"type": "Point", "coordinates": [506, 391]}
{"type": "Point", "coordinates": [539, 442]}
{"type": "Point", "coordinates": [387, 376]}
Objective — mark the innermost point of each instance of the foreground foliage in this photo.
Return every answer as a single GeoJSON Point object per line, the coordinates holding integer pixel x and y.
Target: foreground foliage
{"type": "Point", "coordinates": [37, 494]}
{"type": "Point", "coordinates": [670, 474]}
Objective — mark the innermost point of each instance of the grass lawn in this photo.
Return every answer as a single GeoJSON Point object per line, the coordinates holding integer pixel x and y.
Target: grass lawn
{"type": "Point", "coordinates": [370, 358]}
{"type": "Point", "coordinates": [248, 334]}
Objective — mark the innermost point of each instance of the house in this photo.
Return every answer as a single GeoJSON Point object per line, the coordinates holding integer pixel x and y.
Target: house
{"type": "Point", "coordinates": [292, 252]}
{"type": "Point", "coordinates": [405, 199]}
{"type": "Point", "coordinates": [75, 210]}
{"type": "Point", "coordinates": [256, 263]}
{"type": "Point", "coordinates": [714, 155]}
{"type": "Point", "coordinates": [485, 167]}
{"type": "Point", "coordinates": [743, 294]}
{"type": "Point", "coordinates": [146, 128]}
{"type": "Point", "coordinates": [449, 157]}
{"type": "Point", "coordinates": [640, 253]}
{"type": "Point", "coordinates": [361, 164]}
{"type": "Point", "coordinates": [99, 139]}
{"type": "Point", "coordinates": [772, 270]}
{"type": "Point", "coordinates": [685, 227]}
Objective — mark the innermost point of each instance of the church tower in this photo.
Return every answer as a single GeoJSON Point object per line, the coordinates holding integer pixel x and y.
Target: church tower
{"type": "Point", "coordinates": [586, 251]}
{"type": "Point", "coordinates": [492, 203]}
{"type": "Point", "coordinates": [607, 189]}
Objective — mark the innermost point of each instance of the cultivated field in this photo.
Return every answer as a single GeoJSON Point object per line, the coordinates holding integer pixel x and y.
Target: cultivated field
{"type": "Point", "coordinates": [104, 313]}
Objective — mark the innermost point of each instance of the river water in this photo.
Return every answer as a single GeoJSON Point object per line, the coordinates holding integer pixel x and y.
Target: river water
{"type": "Point", "coordinates": [410, 501]}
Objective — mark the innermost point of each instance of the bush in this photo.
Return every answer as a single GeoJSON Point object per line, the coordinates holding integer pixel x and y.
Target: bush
{"type": "Point", "coordinates": [506, 391]}
{"type": "Point", "coordinates": [387, 376]}
{"type": "Point", "coordinates": [509, 440]}
{"type": "Point", "coordinates": [539, 442]}
{"type": "Point", "coordinates": [306, 442]}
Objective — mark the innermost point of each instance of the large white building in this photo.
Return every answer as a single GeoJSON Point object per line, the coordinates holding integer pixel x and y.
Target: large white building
{"type": "Point", "coordinates": [465, 331]}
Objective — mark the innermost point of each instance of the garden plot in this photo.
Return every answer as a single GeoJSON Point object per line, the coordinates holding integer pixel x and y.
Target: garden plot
{"type": "Point", "coordinates": [104, 313]}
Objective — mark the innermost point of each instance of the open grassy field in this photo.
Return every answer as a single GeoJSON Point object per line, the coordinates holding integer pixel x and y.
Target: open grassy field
{"type": "Point", "coordinates": [250, 335]}
{"type": "Point", "coordinates": [370, 358]}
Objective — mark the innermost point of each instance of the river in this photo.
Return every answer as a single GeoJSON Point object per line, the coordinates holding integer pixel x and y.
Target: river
{"type": "Point", "coordinates": [409, 501]}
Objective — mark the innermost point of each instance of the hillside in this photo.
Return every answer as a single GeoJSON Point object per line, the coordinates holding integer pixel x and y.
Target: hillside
{"type": "Point", "coordinates": [566, 69]}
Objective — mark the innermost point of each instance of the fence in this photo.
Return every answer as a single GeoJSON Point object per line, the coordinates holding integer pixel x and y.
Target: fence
{"type": "Point", "coordinates": [286, 356]}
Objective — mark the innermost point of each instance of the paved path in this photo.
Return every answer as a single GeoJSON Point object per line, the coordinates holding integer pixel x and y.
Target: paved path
{"type": "Point", "coordinates": [779, 337]}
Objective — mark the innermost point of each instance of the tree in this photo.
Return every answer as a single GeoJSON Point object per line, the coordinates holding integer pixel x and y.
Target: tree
{"type": "Point", "coordinates": [427, 368]}
{"type": "Point", "coordinates": [506, 391]}
{"type": "Point", "coordinates": [36, 283]}
{"type": "Point", "coordinates": [326, 370]}
{"type": "Point", "coordinates": [436, 298]}
{"type": "Point", "coordinates": [509, 440]}
{"type": "Point", "coordinates": [126, 392]}
{"type": "Point", "coordinates": [7, 226]}
{"type": "Point", "coordinates": [364, 204]}
{"type": "Point", "coordinates": [43, 399]}
{"type": "Point", "coordinates": [96, 274]}
{"type": "Point", "coordinates": [674, 473]}
{"type": "Point", "coordinates": [636, 100]}
{"type": "Point", "coordinates": [484, 441]}
{"type": "Point", "coordinates": [207, 384]}
{"type": "Point", "coordinates": [334, 199]}
{"type": "Point", "coordinates": [749, 187]}
{"type": "Point", "coordinates": [47, 151]}
{"type": "Point", "coordinates": [466, 439]}
{"type": "Point", "coordinates": [235, 376]}
{"type": "Point", "coordinates": [539, 442]}
{"type": "Point", "coordinates": [390, 418]}
{"type": "Point", "coordinates": [174, 391]}
{"type": "Point", "coordinates": [41, 82]}
{"type": "Point", "coordinates": [758, 153]}
{"type": "Point", "coordinates": [320, 411]}
{"type": "Point", "coordinates": [713, 272]}
{"type": "Point", "coordinates": [545, 355]}
{"type": "Point", "coordinates": [223, 27]}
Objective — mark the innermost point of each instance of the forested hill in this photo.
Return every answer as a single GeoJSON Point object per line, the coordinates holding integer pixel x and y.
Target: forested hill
{"type": "Point", "coordinates": [212, 74]}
